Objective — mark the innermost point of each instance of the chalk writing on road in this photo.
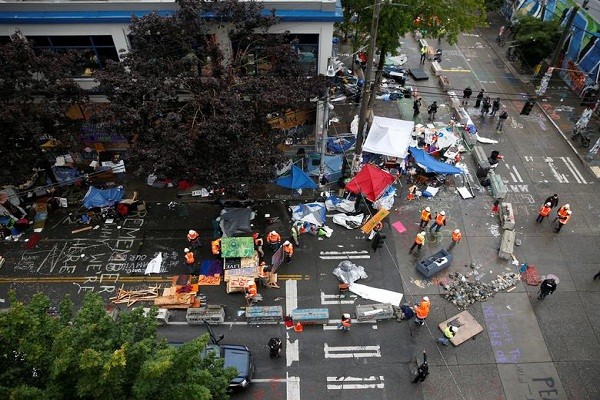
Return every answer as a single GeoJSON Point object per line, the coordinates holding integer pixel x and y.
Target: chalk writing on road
{"type": "Point", "coordinates": [503, 345]}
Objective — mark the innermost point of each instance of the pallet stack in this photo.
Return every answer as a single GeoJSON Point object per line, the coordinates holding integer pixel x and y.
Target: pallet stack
{"type": "Point", "coordinates": [130, 297]}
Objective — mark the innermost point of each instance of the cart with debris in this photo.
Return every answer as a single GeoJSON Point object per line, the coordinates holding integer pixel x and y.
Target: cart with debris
{"type": "Point", "coordinates": [434, 264]}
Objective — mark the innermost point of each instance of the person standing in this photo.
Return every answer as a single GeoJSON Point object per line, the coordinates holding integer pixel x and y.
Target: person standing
{"type": "Point", "coordinates": [449, 333]}
{"type": "Point", "coordinates": [502, 117]}
{"type": "Point", "coordinates": [422, 310]}
{"type": "Point", "coordinates": [422, 370]}
{"type": "Point", "coordinates": [189, 260]}
{"type": "Point", "coordinates": [479, 98]}
{"type": "Point", "coordinates": [456, 237]}
{"type": "Point", "coordinates": [424, 51]}
{"type": "Point", "coordinates": [485, 107]}
{"type": "Point", "coordinates": [295, 231]}
{"type": "Point", "coordinates": [495, 106]}
{"type": "Point", "coordinates": [376, 229]}
{"type": "Point", "coordinates": [562, 221]}
{"type": "Point", "coordinates": [288, 251]}
{"type": "Point", "coordinates": [544, 212]}
{"type": "Point", "coordinates": [416, 107]}
{"type": "Point", "coordinates": [274, 239]}
{"type": "Point", "coordinates": [553, 200]}
{"type": "Point", "coordinates": [345, 323]}
{"type": "Point", "coordinates": [431, 110]}
{"type": "Point", "coordinates": [425, 218]}
{"type": "Point", "coordinates": [440, 220]}
{"type": "Point", "coordinates": [419, 241]}
{"type": "Point", "coordinates": [562, 211]}
{"type": "Point", "coordinates": [548, 286]}
{"type": "Point", "coordinates": [193, 238]}
{"type": "Point", "coordinates": [258, 244]}
{"type": "Point", "coordinates": [467, 95]}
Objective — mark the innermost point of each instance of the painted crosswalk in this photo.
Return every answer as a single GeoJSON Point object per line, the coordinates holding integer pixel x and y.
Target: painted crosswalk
{"type": "Point", "coordinates": [351, 351]}
{"type": "Point", "coordinates": [344, 255]}
{"type": "Point", "coordinates": [545, 169]}
{"type": "Point", "coordinates": [327, 299]}
{"type": "Point", "coordinates": [350, 382]}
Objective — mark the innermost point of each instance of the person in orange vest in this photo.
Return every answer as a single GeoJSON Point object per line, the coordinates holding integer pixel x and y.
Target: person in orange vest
{"type": "Point", "coordinates": [425, 218]}
{"type": "Point", "coordinates": [412, 192]}
{"type": "Point", "coordinates": [215, 247]}
{"type": "Point", "coordinates": [193, 238]}
{"type": "Point", "coordinates": [288, 251]}
{"type": "Point", "coordinates": [422, 310]}
{"type": "Point", "coordinates": [189, 260]}
{"type": "Point", "coordinates": [544, 212]}
{"type": "Point", "coordinates": [456, 237]}
{"type": "Point", "coordinates": [419, 241]}
{"type": "Point", "coordinates": [440, 220]}
{"type": "Point", "coordinates": [562, 211]}
{"type": "Point", "coordinates": [251, 292]}
{"type": "Point", "coordinates": [258, 245]}
{"type": "Point", "coordinates": [274, 240]}
{"type": "Point", "coordinates": [563, 219]}
{"type": "Point", "coordinates": [345, 323]}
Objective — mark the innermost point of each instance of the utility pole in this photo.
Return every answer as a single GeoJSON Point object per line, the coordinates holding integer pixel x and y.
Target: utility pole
{"type": "Point", "coordinates": [367, 89]}
{"type": "Point", "coordinates": [325, 129]}
{"type": "Point", "coordinates": [565, 32]}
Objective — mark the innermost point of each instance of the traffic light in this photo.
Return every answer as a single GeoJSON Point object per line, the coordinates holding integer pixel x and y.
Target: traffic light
{"type": "Point", "coordinates": [377, 241]}
{"type": "Point", "coordinates": [527, 107]}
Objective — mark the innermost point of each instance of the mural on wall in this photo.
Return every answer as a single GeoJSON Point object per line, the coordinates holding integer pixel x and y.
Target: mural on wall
{"type": "Point", "coordinates": [581, 53]}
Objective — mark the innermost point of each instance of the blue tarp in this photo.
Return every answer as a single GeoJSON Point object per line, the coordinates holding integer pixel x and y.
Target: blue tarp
{"type": "Point", "coordinates": [339, 145]}
{"type": "Point", "coordinates": [102, 197]}
{"type": "Point", "coordinates": [297, 179]}
{"type": "Point", "coordinates": [333, 166]}
{"type": "Point", "coordinates": [431, 164]}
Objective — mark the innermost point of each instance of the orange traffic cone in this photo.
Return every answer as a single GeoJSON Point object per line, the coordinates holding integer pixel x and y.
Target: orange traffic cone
{"type": "Point", "coordinates": [298, 327]}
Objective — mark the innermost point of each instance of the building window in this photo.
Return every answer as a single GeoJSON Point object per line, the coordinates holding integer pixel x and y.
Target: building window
{"type": "Point", "coordinates": [95, 50]}
{"type": "Point", "coordinates": [307, 47]}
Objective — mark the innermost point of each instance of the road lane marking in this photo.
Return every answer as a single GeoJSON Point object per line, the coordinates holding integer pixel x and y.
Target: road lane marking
{"type": "Point", "coordinates": [293, 387]}
{"type": "Point", "coordinates": [344, 255]}
{"type": "Point", "coordinates": [557, 175]}
{"type": "Point", "coordinates": [291, 296]}
{"type": "Point", "coordinates": [292, 350]}
{"type": "Point", "coordinates": [569, 163]}
{"type": "Point", "coordinates": [121, 279]}
{"type": "Point", "coordinates": [351, 351]}
{"type": "Point", "coordinates": [570, 170]}
{"type": "Point", "coordinates": [338, 299]}
{"type": "Point", "coordinates": [350, 382]}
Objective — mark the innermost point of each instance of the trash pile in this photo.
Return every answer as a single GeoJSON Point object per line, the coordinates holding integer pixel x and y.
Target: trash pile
{"type": "Point", "coordinates": [462, 292]}
{"type": "Point", "coordinates": [348, 272]}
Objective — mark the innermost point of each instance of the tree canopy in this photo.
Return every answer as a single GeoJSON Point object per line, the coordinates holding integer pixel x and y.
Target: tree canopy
{"type": "Point", "coordinates": [536, 39]}
{"type": "Point", "coordinates": [85, 354]}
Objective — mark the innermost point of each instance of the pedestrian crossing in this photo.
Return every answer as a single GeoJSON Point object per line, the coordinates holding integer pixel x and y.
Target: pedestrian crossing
{"type": "Point", "coordinates": [542, 169]}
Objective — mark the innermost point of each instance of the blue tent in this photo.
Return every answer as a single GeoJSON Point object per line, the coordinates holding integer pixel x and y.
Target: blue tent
{"type": "Point", "coordinates": [296, 180]}
{"type": "Point", "coordinates": [102, 197]}
{"type": "Point", "coordinates": [431, 164]}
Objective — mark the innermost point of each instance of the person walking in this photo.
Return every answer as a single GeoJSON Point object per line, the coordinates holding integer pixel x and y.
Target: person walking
{"type": "Point", "coordinates": [495, 106]}
{"type": "Point", "coordinates": [562, 220]}
{"type": "Point", "coordinates": [562, 211]}
{"type": "Point", "coordinates": [422, 370]}
{"type": "Point", "coordinates": [258, 244]}
{"type": "Point", "coordinates": [456, 237]}
{"type": "Point", "coordinates": [419, 241]}
{"type": "Point", "coordinates": [376, 229]}
{"type": "Point", "coordinates": [416, 107]}
{"type": "Point", "coordinates": [345, 323]}
{"type": "Point", "coordinates": [479, 98]}
{"type": "Point", "coordinates": [440, 220]}
{"type": "Point", "coordinates": [548, 286]}
{"type": "Point", "coordinates": [544, 212]}
{"type": "Point", "coordinates": [288, 251]}
{"type": "Point", "coordinates": [422, 310]}
{"type": "Point", "coordinates": [466, 96]}
{"type": "Point", "coordinates": [189, 260]}
{"type": "Point", "coordinates": [553, 200]}
{"type": "Point", "coordinates": [424, 51]}
{"type": "Point", "coordinates": [193, 238]}
{"type": "Point", "coordinates": [425, 218]}
{"type": "Point", "coordinates": [485, 107]}
{"type": "Point", "coordinates": [295, 231]}
{"type": "Point", "coordinates": [502, 117]}
{"type": "Point", "coordinates": [449, 333]}
{"type": "Point", "coordinates": [431, 110]}
{"type": "Point", "coordinates": [274, 239]}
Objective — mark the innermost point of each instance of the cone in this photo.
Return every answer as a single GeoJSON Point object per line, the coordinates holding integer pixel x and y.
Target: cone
{"type": "Point", "coordinates": [298, 327]}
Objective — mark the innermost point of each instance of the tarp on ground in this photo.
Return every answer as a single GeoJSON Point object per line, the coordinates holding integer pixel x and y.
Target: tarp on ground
{"type": "Point", "coordinates": [313, 213]}
{"type": "Point", "coordinates": [236, 221]}
{"type": "Point", "coordinates": [340, 144]}
{"type": "Point", "coordinates": [430, 164]}
{"type": "Point", "coordinates": [297, 179]}
{"type": "Point", "coordinates": [242, 247]}
{"type": "Point", "coordinates": [333, 165]}
{"type": "Point", "coordinates": [389, 137]}
{"type": "Point", "coordinates": [371, 182]}
{"type": "Point", "coordinates": [102, 197]}
{"type": "Point", "coordinates": [376, 294]}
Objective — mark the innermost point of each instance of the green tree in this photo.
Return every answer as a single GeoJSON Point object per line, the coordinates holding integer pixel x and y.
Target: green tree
{"type": "Point", "coordinates": [536, 39]}
{"type": "Point", "coordinates": [88, 355]}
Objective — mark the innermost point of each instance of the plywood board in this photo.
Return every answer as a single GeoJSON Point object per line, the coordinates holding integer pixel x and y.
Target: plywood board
{"type": "Point", "coordinates": [469, 327]}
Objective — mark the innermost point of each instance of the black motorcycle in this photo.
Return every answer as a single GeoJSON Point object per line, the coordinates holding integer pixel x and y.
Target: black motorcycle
{"type": "Point", "coordinates": [274, 346]}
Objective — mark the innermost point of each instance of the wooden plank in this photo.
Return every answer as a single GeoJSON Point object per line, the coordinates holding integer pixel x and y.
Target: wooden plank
{"type": "Point", "coordinates": [375, 219]}
{"type": "Point", "coordinates": [468, 325]}
{"type": "Point", "coordinates": [87, 228]}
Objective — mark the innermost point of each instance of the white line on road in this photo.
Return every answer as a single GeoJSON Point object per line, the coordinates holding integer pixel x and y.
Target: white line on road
{"type": "Point", "coordinates": [333, 324]}
{"type": "Point", "coordinates": [514, 167]}
{"type": "Point", "coordinates": [338, 298]}
{"type": "Point", "coordinates": [291, 296]}
{"type": "Point", "coordinates": [293, 387]}
{"type": "Point", "coordinates": [254, 380]}
{"type": "Point", "coordinates": [351, 351]}
{"type": "Point", "coordinates": [346, 382]}
{"type": "Point", "coordinates": [557, 175]}
{"type": "Point", "coordinates": [570, 170]}
{"type": "Point", "coordinates": [343, 255]}
{"type": "Point", "coordinates": [573, 168]}
{"type": "Point", "coordinates": [292, 352]}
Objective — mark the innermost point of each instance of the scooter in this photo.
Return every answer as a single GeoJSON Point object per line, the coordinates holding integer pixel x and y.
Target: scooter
{"type": "Point", "coordinates": [274, 346]}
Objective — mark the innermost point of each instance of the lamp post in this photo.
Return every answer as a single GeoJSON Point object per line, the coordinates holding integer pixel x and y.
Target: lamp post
{"type": "Point", "coordinates": [324, 128]}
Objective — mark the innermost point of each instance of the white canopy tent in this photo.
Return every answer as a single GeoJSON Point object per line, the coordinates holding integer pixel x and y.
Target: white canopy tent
{"type": "Point", "coordinates": [389, 137]}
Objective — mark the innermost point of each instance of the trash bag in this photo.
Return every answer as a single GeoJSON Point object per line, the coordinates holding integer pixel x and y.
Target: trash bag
{"type": "Point", "coordinates": [348, 272]}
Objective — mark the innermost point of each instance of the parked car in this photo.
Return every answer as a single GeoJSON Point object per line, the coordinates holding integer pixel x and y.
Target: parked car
{"type": "Point", "coordinates": [236, 356]}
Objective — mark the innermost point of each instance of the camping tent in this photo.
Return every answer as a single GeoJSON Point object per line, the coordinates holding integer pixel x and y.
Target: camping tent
{"type": "Point", "coordinates": [102, 197]}
{"type": "Point", "coordinates": [313, 213]}
{"type": "Point", "coordinates": [333, 165]}
{"type": "Point", "coordinates": [389, 137]}
{"type": "Point", "coordinates": [297, 179]}
{"type": "Point", "coordinates": [371, 182]}
{"type": "Point", "coordinates": [430, 164]}
{"type": "Point", "coordinates": [236, 221]}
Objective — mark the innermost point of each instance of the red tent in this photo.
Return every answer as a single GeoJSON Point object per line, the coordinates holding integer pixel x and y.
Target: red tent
{"type": "Point", "coordinates": [371, 182]}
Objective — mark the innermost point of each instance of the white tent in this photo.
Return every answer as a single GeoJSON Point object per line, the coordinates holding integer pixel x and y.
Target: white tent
{"type": "Point", "coordinates": [389, 137]}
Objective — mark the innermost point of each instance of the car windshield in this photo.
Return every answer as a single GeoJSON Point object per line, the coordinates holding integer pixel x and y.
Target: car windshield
{"type": "Point", "coordinates": [236, 358]}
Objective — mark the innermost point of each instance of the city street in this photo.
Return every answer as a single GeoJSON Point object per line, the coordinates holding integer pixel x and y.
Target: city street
{"type": "Point", "coordinates": [529, 349]}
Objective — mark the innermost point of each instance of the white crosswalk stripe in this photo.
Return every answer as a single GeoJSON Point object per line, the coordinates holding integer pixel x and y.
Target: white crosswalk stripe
{"type": "Point", "coordinates": [350, 382]}
{"type": "Point", "coordinates": [337, 299]}
{"type": "Point", "coordinates": [351, 351]}
{"type": "Point", "coordinates": [344, 255]}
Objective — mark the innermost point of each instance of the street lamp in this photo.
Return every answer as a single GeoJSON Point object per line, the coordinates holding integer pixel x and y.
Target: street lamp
{"type": "Point", "coordinates": [326, 107]}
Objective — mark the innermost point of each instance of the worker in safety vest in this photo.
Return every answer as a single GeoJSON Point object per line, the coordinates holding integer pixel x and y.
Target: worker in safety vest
{"type": "Point", "coordinates": [215, 247]}
{"type": "Point", "coordinates": [424, 51]}
{"type": "Point", "coordinates": [422, 310]}
{"type": "Point", "coordinates": [345, 323]}
{"type": "Point", "coordinates": [456, 237]}
{"type": "Point", "coordinates": [563, 219]}
{"type": "Point", "coordinates": [425, 217]}
{"type": "Point", "coordinates": [288, 251]}
{"type": "Point", "coordinates": [193, 238]}
{"type": "Point", "coordinates": [449, 333]}
{"type": "Point", "coordinates": [419, 241]}
{"type": "Point", "coordinates": [440, 220]}
{"type": "Point", "coordinates": [258, 245]}
{"type": "Point", "coordinates": [544, 211]}
{"type": "Point", "coordinates": [274, 240]}
{"type": "Point", "coordinates": [562, 211]}
{"type": "Point", "coordinates": [189, 260]}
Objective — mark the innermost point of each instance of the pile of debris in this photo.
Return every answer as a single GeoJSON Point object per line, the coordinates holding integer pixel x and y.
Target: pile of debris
{"type": "Point", "coordinates": [132, 296]}
{"type": "Point", "coordinates": [462, 292]}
